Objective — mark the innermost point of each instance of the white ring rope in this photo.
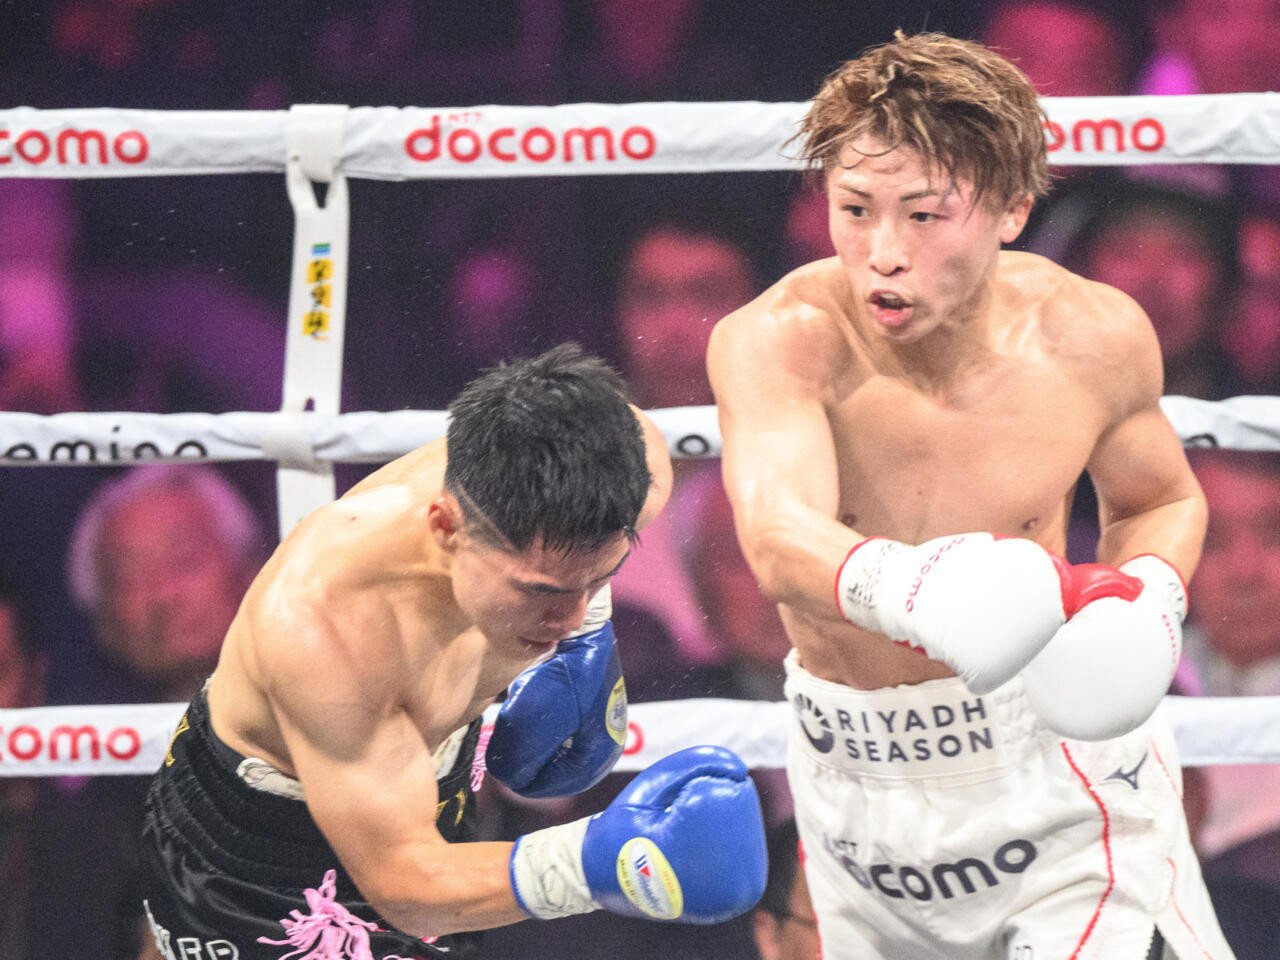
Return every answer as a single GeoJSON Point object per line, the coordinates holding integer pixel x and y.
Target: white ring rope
{"type": "Point", "coordinates": [121, 439]}
{"type": "Point", "coordinates": [132, 739]}
{"type": "Point", "coordinates": [410, 143]}
{"type": "Point", "coordinates": [330, 142]}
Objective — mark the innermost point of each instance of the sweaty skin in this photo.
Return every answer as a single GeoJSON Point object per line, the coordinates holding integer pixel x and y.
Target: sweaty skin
{"type": "Point", "coordinates": [376, 630]}
{"type": "Point", "coordinates": [924, 382]}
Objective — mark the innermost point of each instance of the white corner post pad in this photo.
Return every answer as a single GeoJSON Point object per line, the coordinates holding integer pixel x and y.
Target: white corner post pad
{"type": "Point", "coordinates": [314, 136]}
{"type": "Point", "coordinates": [547, 874]}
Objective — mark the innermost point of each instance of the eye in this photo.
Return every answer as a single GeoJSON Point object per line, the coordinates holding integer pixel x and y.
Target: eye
{"type": "Point", "coordinates": [855, 211]}
{"type": "Point", "coordinates": [924, 216]}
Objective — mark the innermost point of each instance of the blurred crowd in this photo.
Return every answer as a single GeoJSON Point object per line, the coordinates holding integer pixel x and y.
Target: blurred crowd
{"type": "Point", "coordinates": [168, 295]}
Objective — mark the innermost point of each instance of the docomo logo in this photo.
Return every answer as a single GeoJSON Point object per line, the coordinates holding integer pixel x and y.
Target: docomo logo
{"type": "Point", "coordinates": [1146, 134]}
{"type": "Point", "coordinates": [465, 144]}
{"type": "Point", "coordinates": [30, 744]}
{"type": "Point", "coordinates": [73, 147]}
{"type": "Point", "coordinates": [918, 582]}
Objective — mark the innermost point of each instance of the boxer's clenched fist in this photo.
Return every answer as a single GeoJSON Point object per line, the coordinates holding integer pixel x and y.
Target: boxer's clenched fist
{"type": "Point", "coordinates": [983, 605]}
{"type": "Point", "coordinates": [1109, 666]}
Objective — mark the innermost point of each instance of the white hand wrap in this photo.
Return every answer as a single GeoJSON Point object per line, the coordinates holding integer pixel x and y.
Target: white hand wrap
{"type": "Point", "coordinates": [599, 610]}
{"type": "Point", "coordinates": [981, 605]}
{"type": "Point", "coordinates": [547, 874]}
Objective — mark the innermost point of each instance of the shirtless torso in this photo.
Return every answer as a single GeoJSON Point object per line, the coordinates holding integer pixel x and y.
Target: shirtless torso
{"type": "Point", "coordinates": [1024, 375]}
{"type": "Point", "coordinates": [352, 661]}
{"type": "Point", "coordinates": [368, 556]}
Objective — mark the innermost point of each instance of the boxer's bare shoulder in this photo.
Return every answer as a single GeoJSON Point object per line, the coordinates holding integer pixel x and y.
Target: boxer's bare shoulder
{"type": "Point", "coordinates": [1098, 330]}
{"type": "Point", "coordinates": [799, 327]}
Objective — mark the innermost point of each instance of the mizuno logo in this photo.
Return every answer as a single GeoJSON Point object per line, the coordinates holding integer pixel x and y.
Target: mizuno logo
{"type": "Point", "coordinates": [1129, 776]}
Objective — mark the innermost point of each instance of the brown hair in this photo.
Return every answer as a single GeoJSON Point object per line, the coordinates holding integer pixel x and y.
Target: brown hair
{"type": "Point", "coordinates": [964, 108]}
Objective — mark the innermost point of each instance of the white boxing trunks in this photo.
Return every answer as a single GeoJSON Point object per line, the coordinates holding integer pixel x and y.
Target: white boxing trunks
{"type": "Point", "coordinates": [940, 825]}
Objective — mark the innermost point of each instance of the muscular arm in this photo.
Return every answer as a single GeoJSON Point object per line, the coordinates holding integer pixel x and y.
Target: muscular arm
{"type": "Point", "coordinates": [1148, 498]}
{"type": "Point", "coordinates": [779, 458]}
{"type": "Point", "coordinates": [370, 784]}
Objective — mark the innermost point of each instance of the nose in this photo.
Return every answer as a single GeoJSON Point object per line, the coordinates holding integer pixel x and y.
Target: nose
{"type": "Point", "coordinates": [887, 254]}
{"type": "Point", "coordinates": [566, 614]}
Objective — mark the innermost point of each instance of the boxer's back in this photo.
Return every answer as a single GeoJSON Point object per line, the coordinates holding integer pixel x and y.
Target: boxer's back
{"type": "Point", "coordinates": [366, 560]}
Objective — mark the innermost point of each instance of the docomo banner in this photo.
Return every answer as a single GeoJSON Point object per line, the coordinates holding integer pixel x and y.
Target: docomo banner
{"type": "Point", "coordinates": [124, 739]}
{"type": "Point", "coordinates": [409, 143]}
{"type": "Point", "coordinates": [53, 741]}
{"type": "Point", "coordinates": [95, 740]}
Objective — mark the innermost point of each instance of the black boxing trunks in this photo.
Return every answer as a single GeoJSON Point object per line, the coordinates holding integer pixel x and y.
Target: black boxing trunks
{"type": "Point", "coordinates": [235, 871]}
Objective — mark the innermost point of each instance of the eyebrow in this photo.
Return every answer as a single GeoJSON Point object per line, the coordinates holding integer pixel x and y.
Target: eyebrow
{"type": "Point", "coordinates": [906, 197]}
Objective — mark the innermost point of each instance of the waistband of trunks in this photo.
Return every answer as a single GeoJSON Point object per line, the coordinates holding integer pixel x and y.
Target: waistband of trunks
{"type": "Point", "coordinates": [936, 730]}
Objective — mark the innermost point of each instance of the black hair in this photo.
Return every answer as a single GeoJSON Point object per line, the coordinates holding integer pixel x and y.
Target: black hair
{"type": "Point", "coordinates": [783, 842]}
{"type": "Point", "coordinates": [547, 448]}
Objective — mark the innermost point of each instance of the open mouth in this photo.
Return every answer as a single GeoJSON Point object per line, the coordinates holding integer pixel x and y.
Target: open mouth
{"type": "Point", "coordinates": [890, 308]}
{"type": "Point", "coordinates": [888, 301]}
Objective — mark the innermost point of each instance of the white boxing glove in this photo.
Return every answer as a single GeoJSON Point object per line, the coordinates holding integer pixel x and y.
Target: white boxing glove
{"type": "Point", "coordinates": [983, 605]}
{"type": "Point", "coordinates": [1108, 668]}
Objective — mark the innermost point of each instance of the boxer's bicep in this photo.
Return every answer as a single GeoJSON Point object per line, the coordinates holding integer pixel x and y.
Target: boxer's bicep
{"type": "Point", "coordinates": [368, 776]}
{"type": "Point", "coordinates": [780, 470]}
{"type": "Point", "coordinates": [369, 779]}
{"type": "Point", "coordinates": [1149, 500]}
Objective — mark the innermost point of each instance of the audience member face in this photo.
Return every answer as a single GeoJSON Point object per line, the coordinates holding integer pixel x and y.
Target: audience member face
{"type": "Point", "coordinates": [491, 299]}
{"type": "Point", "coordinates": [1260, 246]}
{"type": "Point", "coordinates": [1235, 593]}
{"type": "Point", "coordinates": [674, 288]}
{"type": "Point", "coordinates": [1064, 50]}
{"type": "Point", "coordinates": [808, 231]}
{"type": "Point", "coordinates": [793, 936]}
{"type": "Point", "coordinates": [742, 617]}
{"type": "Point", "coordinates": [1233, 45]}
{"type": "Point", "coordinates": [170, 587]}
{"type": "Point", "coordinates": [643, 39]}
{"type": "Point", "coordinates": [1167, 267]}
{"type": "Point", "coordinates": [1252, 337]}
{"type": "Point", "coordinates": [21, 674]}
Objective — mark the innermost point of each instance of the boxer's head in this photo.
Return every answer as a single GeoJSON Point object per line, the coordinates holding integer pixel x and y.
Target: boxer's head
{"type": "Point", "coordinates": [546, 477]}
{"type": "Point", "coordinates": [967, 112]}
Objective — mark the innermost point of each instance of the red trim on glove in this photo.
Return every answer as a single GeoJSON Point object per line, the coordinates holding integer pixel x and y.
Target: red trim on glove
{"type": "Point", "coordinates": [840, 572]}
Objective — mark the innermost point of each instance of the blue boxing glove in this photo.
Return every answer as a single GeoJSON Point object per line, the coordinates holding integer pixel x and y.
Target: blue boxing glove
{"type": "Point", "coordinates": [563, 724]}
{"type": "Point", "coordinates": [684, 841]}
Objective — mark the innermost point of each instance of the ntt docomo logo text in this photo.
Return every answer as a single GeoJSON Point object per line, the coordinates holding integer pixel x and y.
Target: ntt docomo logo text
{"type": "Point", "coordinates": [1146, 134]}
{"type": "Point", "coordinates": [27, 743]}
{"type": "Point", "coordinates": [79, 148]}
{"type": "Point", "coordinates": [461, 138]}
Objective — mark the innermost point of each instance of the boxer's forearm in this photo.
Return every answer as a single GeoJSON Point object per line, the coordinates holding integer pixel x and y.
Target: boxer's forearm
{"type": "Point", "coordinates": [443, 888]}
{"type": "Point", "coordinates": [1173, 531]}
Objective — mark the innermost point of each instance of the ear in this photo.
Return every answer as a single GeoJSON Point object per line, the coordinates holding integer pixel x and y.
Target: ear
{"type": "Point", "coordinates": [444, 521]}
{"type": "Point", "coordinates": [1014, 218]}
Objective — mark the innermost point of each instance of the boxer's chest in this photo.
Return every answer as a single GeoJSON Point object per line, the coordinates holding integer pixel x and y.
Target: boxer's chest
{"type": "Point", "coordinates": [1002, 454]}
